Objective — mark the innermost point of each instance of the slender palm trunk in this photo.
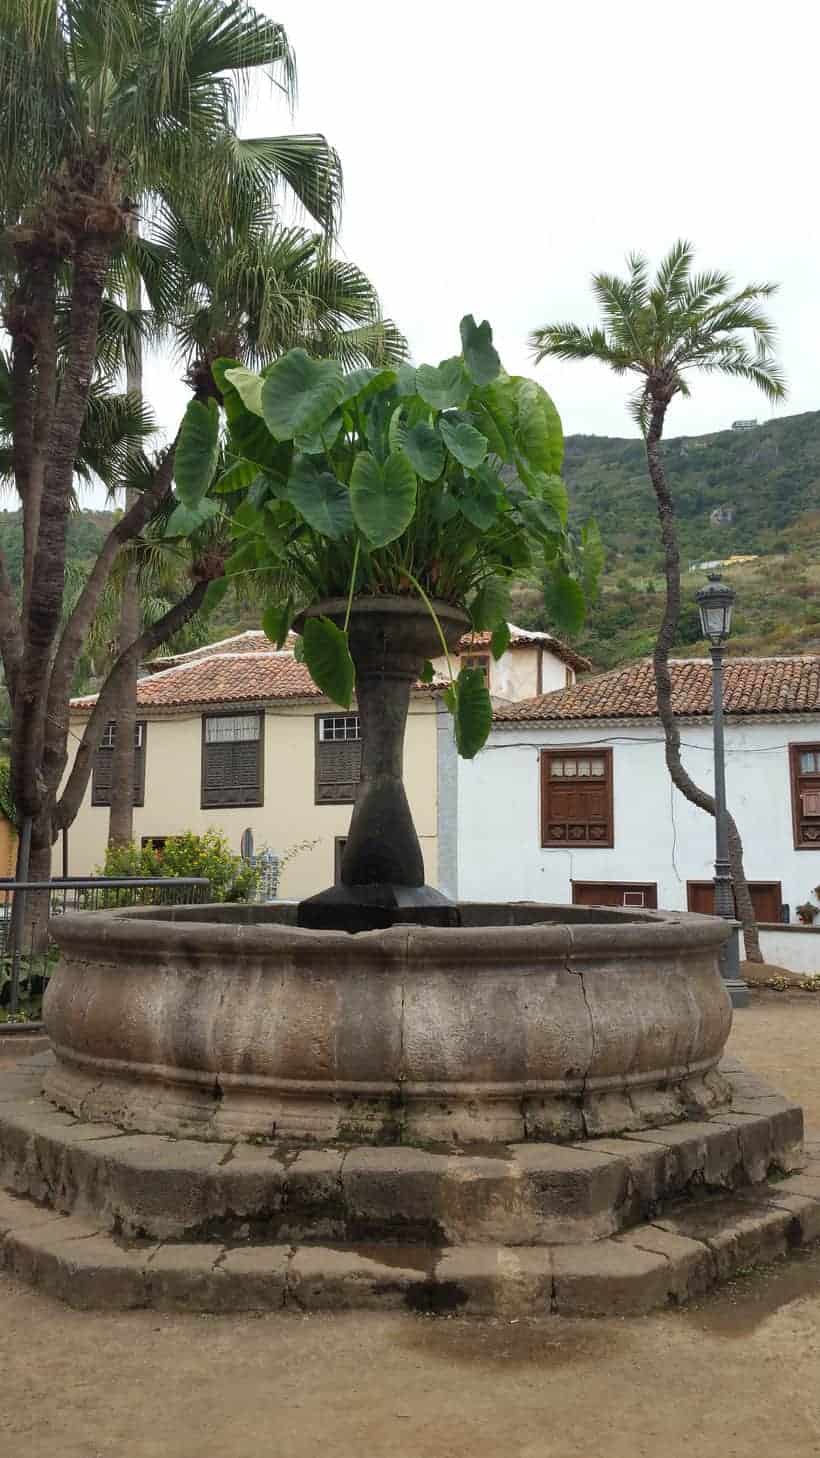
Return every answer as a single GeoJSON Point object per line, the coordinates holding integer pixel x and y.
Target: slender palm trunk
{"type": "Point", "coordinates": [663, 681]}
{"type": "Point", "coordinates": [121, 812]}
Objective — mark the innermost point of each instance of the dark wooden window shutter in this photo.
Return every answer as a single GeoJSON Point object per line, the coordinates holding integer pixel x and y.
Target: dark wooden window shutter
{"type": "Point", "coordinates": [103, 767]}
{"type": "Point", "coordinates": [804, 764]}
{"type": "Point", "coordinates": [232, 759]}
{"type": "Point", "coordinates": [576, 798]}
{"type": "Point", "coordinates": [476, 660]}
{"type": "Point", "coordinates": [338, 758]}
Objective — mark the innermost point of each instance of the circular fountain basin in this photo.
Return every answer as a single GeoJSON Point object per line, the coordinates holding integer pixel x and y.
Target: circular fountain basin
{"type": "Point", "coordinates": [527, 1022]}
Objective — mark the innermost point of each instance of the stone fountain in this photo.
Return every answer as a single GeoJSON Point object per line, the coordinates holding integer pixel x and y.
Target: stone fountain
{"type": "Point", "coordinates": [382, 1099]}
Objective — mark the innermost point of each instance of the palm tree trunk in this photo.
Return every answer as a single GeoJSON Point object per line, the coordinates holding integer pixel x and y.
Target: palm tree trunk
{"type": "Point", "coordinates": [121, 811]}
{"type": "Point", "coordinates": [663, 681]}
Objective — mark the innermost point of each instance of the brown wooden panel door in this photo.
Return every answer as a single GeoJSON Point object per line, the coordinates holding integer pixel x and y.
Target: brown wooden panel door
{"type": "Point", "coordinates": [615, 893]}
{"type": "Point", "coordinates": [767, 897]}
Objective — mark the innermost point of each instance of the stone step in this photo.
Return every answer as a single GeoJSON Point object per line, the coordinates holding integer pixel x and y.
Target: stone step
{"type": "Point", "coordinates": [156, 1187]}
{"type": "Point", "coordinates": [655, 1264]}
{"type": "Point", "coordinates": [665, 1262]}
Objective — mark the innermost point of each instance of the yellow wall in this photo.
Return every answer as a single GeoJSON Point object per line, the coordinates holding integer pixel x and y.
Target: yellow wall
{"type": "Point", "coordinates": [289, 815]}
{"type": "Point", "coordinates": [8, 847]}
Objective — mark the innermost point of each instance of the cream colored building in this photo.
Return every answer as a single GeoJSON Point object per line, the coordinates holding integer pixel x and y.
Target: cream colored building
{"type": "Point", "coordinates": [235, 736]}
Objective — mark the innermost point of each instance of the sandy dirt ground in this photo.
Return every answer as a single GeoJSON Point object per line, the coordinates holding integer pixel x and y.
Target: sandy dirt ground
{"type": "Point", "coordinates": [737, 1376]}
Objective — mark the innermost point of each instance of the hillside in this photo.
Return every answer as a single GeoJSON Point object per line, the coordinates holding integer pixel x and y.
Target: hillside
{"type": "Point", "coordinates": [750, 492]}
{"type": "Point", "coordinates": [763, 483]}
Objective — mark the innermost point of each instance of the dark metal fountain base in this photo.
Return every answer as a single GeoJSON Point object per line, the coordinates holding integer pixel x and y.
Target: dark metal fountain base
{"type": "Point", "coordinates": [374, 908]}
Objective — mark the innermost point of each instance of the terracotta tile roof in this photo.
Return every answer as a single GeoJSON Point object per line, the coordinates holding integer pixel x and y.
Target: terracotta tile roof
{"type": "Point", "coordinates": [752, 686]}
{"type": "Point", "coordinates": [223, 678]}
{"type": "Point", "coordinates": [253, 641]}
{"type": "Point", "coordinates": [524, 638]}
{"type": "Point", "coordinates": [229, 678]}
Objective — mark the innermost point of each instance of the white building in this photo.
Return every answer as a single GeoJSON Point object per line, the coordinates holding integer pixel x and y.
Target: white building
{"type": "Point", "coordinates": [571, 801]}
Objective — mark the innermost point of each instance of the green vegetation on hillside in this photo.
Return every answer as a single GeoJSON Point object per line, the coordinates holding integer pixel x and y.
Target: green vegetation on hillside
{"type": "Point", "coordinates": [770, 476]}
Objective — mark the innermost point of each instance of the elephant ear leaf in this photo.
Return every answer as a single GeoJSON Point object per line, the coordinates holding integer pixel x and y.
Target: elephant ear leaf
{"type": "Point", "coordinates": [469, 702]}
{"type": "Point", "coordinates": [299, 394]}
{"type": "Point", "coordinates": [276, 621]}
{"type": "Point", "coordinates": [491, 605]}
{"type": "Point", "coordinates": [500, 641]}
{"type": "Point", "coordinates": [197, 451]}
{"type": "Point", "coordinates": [565, 601]}
{"type": "Point", "coordinates": [320, 498]}
{"type": "Point", "coordinates": [328, 661]}
{"type": "Point", "coordinates": [480, 355]}
{"type": "Point", "coordinates": [383, 498]}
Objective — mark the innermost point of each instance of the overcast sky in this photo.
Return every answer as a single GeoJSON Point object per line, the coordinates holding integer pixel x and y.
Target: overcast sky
{"type": "Point", "coordinates": [496, 155]}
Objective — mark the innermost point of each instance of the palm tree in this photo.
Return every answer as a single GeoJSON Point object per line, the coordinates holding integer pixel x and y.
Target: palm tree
{"type": "Point", "coordinates": [662, 330]}
{"type": "Point", "coordinates": [257, 288]}
{"type": "Point", "coordinates": [104, 106]}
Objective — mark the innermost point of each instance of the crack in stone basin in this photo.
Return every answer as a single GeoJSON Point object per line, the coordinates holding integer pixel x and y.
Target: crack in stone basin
{"type": "Point", "coordinates": [525, 1022]}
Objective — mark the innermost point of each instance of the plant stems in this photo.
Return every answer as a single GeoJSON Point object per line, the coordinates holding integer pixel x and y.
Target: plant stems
{"type": "Point", "coordinates": [431, 610]}
{"type": "Point", "coordinates": [352, 583]}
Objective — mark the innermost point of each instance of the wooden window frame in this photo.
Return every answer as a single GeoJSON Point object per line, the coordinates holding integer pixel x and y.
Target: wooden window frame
{"type": "Point", "coordinates": [795, 750]}
{"type": "Point", "coordinates": [644, 887]}
{"type": "Point", "coordinates": [578, 751]}
{"type": "Point", "coordinates": [234, 804]}
{"type": "Point", "coordinates": [106, 746]}
{"type": "Point", "coordinates": [317, 749]}
{"type": "Point", "coordinates": [476, 660]}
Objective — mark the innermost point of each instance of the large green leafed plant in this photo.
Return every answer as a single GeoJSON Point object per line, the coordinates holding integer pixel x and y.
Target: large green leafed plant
{"type": "Point", "coordinates": [440, 482]}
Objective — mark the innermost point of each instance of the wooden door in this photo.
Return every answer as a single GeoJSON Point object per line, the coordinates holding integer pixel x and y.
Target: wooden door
{"type": "Point", "coordinates": [615, 893]}
{"type": "Point", "coordinates": [767, 897]}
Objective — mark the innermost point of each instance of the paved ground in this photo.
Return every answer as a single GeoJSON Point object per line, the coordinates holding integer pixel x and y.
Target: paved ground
{"type": "Point", "coordinates": [736, 1377]}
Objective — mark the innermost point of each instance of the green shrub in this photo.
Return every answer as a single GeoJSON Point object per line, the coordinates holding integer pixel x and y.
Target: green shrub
{"type": "Point", "coordinates": [188, 854]}
{"type": "Point", "coordinates": [7, 805]}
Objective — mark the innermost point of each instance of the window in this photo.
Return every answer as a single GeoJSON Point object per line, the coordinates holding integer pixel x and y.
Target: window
{"type": "Point", "coordinates": [476, 660]}
{"type": "Point", "coordinates": [804, 762]}
{"type": "Point", "coordinates": [338, 758]}
{"type": "Point", "coordinates": [336, 728]}
{"type": "Point", "coordinates": [232, 760]}
{"type": "Point", "coordinates": [103, 767]}
{"type": "Point", "coordinates": [338, 851]}
{"type": "Point", "coordinates": [576, 798]}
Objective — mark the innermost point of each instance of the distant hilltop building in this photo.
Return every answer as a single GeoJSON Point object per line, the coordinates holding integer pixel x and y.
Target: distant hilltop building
{"type": "Point", "coordinates": [736, 561]}
{"type": "Point", "coordinates": [722, 516]}
{"type": "Point", "coordinates": [744, 424]}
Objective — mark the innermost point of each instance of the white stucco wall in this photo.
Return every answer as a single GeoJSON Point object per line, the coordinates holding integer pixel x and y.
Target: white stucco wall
{"type": "Point", "coordinates": [659, 836]}
{"type": "Point", "coordinates": [796, 949]}
{"type": "Point", "coordinates": [515, 676]}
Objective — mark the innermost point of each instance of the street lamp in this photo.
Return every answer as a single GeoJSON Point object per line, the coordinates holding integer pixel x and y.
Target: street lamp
{"type": "Point", "coordinates": [715, 604]}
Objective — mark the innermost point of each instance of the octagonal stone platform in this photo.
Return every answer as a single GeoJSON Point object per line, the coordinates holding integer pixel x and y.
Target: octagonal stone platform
{"type": "Point", "coordinates": [107, 1218]}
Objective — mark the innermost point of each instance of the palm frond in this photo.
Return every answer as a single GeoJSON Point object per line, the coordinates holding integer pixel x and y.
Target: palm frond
{"type": "Point", "coordinates": [682, 321]}
{"type": "Point", "coordinates": [115, 430]}
{"type": "Point", "coordinates": [739, 363]}
{"type": "Point", "coordinates": [306, 165]}
{"type": "Point", "coordinates": [672, 279]}
{"type": "Point", "coordinates": [569, 341]}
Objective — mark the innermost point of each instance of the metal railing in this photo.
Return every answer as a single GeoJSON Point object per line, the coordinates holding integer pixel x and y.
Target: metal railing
{"type": "Point", "coordinates": [27, 953]}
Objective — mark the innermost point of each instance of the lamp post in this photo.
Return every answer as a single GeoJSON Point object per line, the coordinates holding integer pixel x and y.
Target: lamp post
{"type": "Point", "coordinates": [715, 604]}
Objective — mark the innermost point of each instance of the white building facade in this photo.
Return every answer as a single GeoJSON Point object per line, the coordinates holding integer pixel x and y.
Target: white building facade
{"type": "Point", "coordinates": [571, 800]}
